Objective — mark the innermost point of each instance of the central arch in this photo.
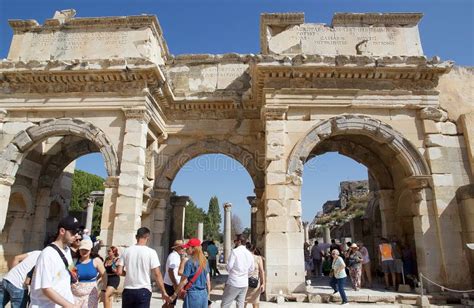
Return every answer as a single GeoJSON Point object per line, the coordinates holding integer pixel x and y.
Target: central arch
{"type": "Point", "coordinates": [167, 173]}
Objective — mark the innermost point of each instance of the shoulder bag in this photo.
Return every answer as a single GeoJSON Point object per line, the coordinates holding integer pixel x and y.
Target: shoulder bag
{"type": "Point", "coordinates": [184, 290]}
{"type": "Point", "coordinates": [72, 274]}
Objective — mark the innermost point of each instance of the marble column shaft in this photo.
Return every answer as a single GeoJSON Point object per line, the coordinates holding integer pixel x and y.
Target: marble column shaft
{"type": "Point", "coordinates": [227, 230]}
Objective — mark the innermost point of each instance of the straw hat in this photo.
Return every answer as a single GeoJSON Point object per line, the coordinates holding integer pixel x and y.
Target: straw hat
{"type": "Point", "coordinates": [177, 243]}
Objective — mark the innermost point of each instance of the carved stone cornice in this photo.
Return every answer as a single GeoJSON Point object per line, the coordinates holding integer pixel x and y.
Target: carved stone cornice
{"type": "Point", "coordinates": [274, 113]}
{"type": "Point", "coordinates": [125, 76]}
{"type": "Point", "coordinates": [346, 73]}
{"type": "Point", "coordinates": [379, 19]}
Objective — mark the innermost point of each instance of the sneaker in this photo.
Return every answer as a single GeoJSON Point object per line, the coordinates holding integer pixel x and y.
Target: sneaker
{"type": "Point", "coordinates": [344, 303]}
{"type": "Point", "coordinates": [334, 292]}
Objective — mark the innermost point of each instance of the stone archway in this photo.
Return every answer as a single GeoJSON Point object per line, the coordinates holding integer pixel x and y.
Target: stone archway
{"type": "Point", "coordinates": [12, 156]}
{"type": "Point", "coordinates": [167, 172]}
{"type": "Point", "coordinates": [400, 171]}
{"type": "Point", "coordinates": [21, 145]}
{"type": "Point", "coordinates": [408, 156]}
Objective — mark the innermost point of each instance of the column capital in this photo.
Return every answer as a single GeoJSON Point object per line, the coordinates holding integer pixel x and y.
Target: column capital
{"type": "Point", "coordinates": [111, 182]}
{"type": "Point", "coordinates": [227, 206]}
{"type": "Point", "coordinates": [273, 113]}
{"type": "Point", "coordinates": [140, 114]}
{"type": "Point", "coordinates": [180, 201]}
{"type": "Point", "coordinates": [253, 203]}
{"type": "Point", "coordinates": [418, 182]}
{"type": "Point", "coordinates": [252, 200]}
{"type": "Point", "coordinates": [161, 193]}
{"type": "Point", "coordinates": [465, 192]}
{"type": "Point", "coordinates": [6, 179]}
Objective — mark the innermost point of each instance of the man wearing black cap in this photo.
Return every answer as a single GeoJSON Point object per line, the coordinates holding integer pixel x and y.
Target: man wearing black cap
{"type": "Point", "coordinates": [51, 284]}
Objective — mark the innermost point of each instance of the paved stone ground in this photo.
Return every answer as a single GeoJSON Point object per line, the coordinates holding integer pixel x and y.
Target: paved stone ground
{"type": "Point", "coordinates": [318, 286]}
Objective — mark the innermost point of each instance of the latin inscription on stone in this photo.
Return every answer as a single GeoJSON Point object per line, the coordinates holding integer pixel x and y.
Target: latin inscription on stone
{"type": "Point", "coordinates": [86, 44]}
{"type": "Point", "coordinates": [74, 41]}
{"type": "Point", "coordinates": [367, 40]}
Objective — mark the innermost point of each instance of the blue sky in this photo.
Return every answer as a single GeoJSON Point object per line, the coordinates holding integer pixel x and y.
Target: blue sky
{"type": "Point", "coordinates": [233, 26]}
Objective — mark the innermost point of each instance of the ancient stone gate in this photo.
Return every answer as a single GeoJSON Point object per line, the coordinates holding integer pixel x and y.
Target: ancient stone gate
{"type": "Point", "coordinates": [361, 87]}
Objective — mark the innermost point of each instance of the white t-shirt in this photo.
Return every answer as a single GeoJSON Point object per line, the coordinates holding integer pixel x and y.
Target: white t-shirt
{"type": "Point", "coordinates": [239, 266]}
{"type": "Point", "coordinates": [138, 261]}
{"type": "Point", "coordinates": [17, 275]}
{"type": "Point", "coordinates": [172, 262]}
{"type": "Point", "coordinates": [50, 272]}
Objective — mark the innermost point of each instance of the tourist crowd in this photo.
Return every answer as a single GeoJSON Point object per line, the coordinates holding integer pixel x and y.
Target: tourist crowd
{"type": "Point", "coordinates": [69, 272]}
{"type": "Point", "coordinates": [352, 259]}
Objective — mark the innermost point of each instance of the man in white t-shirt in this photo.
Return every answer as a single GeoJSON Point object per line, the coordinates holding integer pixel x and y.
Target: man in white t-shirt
{"type": "Point", "coordinates": [239, 266]}
{"type": "Point", "coordinates": [137, 263]}
{"type": "Point", "coordinates": [13, 288]}
{"type": "Point", "coordinates": [51, 284]}
{"type": "Point", "coordinates": [172, 278]}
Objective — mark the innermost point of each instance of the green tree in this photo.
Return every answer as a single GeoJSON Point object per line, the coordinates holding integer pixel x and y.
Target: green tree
{"type": "Point", "coordinates": [213, 220]}
{"type": "Point", "coordinates": [246, 232]}
{"type": "Point", "coordinates": [83, 183]}
{"type": "Point", "coordinates": [193, 216]}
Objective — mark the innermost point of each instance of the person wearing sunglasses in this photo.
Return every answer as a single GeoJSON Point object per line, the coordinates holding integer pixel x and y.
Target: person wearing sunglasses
{"type": "Point", "coordinates": [51, 284]}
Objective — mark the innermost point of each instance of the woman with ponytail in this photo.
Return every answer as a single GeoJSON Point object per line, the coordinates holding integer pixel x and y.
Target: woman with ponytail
{"type": "Point", "coordinates": [195, 279]}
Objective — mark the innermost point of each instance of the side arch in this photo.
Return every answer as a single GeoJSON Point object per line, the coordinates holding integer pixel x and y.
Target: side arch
{"type": "Point", "coordinates": [382, 133]}
{"type": "Point", "coordinates": [12, 156]}
{"type": "Point", "coordinates": [167, 173]}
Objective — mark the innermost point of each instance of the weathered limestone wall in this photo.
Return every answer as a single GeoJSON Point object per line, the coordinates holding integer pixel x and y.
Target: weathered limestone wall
{"type": "Point", "coordinates": [194, 74]}
{"type": "Point", "coordinates": [456, 91]}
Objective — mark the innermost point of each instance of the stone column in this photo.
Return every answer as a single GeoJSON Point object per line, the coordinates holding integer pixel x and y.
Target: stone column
{"type": "Point", "coordinates": [200, 231]}
{"type": "Point", "coordinates": [108, 209]}
{"type": "Point", "coordinates": [327, 234]}
{"type": "Point", "coordinates": [178, 204]}
{"type": "Point", "coordinates": [227, 230]}
{"type": "Point", "coordinates": [162, 221]}
{"type": "Point", "coordinates": [6, 183]}
{"type": "Point", "coordinates": [42, 207]}
{"type": "Point", "coordinates": [465, 198]}
{"type": "Point", "coordinates": [132, 170]}
{"type": "Point", "coordinates": [259, 220]}
{"type": "Point", "coordinates": [90, 213]}
{"type": "Point", "coordinates": [387, 212]}
{"type": "Point", "coordinates": [284, 234]}
{"type": "Point", "coordinates": [253, 218]}
{"type": "Point", "coordinates": [428, 250]}
{"type": "Point", "coordinates": [306, 231]}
